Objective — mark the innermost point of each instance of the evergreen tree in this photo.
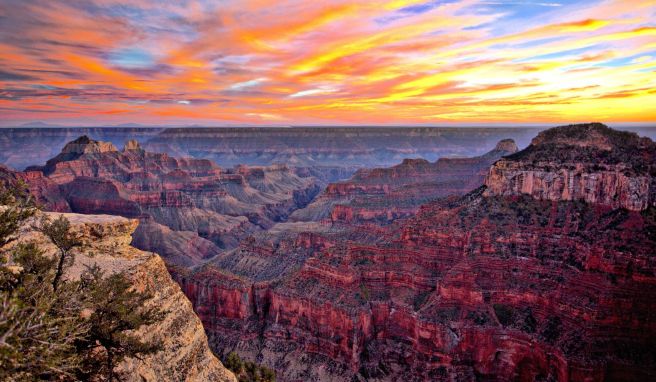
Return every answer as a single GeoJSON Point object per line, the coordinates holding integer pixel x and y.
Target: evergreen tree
{"type": "Point", "coordinates": [59, 233]}
{"type": "Point", "coordinates": [116, 310]}
{"type": "Point", "coordinates": [53, 328]}
{"type": "Point", "coordinates": [247, 371]}
{"type": "Point", "coordinates": [40, 329]}
{"type": "Point", "coordinates": [15, 208]}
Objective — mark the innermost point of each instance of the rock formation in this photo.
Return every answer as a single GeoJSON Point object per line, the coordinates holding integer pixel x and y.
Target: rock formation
{"type": "Point", "coordinates": [193, 201]}
{"type": "Point", "coordinates": [489, 286]}
{"type": "Point", "coordinates": [185, 355]}
{"type": "Point", "coordinates": [382, 195]}
{"type": "Point", "coordinates": [23, 147]}
{"type": "Point", "coordinates": [581, 162]}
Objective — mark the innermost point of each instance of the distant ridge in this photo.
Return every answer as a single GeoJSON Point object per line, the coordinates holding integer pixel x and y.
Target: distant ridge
{"type": "Point", "coordinates": [130, 125]}
{"type": "Point", "coordinates": [39, 124]}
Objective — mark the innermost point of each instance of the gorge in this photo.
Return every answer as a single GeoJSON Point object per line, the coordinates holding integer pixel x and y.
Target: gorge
{"type": "Point", "coordinates": [533, 264]}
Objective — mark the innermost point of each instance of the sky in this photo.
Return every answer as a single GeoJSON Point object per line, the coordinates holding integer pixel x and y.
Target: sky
{"type": "Point", "coordinates": [288, 62]}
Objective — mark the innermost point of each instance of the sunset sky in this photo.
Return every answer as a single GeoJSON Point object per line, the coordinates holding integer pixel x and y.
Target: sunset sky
{"type": "Point", "coordinates": [278, 62]}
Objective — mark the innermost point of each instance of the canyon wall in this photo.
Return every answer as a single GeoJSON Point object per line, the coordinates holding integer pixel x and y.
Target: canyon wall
{"type": "Point", "coordinates": [597, 165]}
{"type": "Point", "coordinates": [191, 209]}
{"type": "Point", "coordinates": [382, 195]}
{"type": "Point", "coordinates": [332, 147]}
{"type": "Point", "coordinates": [485, 286]}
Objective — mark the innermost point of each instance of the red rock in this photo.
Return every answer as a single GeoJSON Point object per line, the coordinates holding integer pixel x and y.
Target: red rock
{"type": "Point", "coordinates": [186, 195]}
{"type": "Point", "coordinates": [481, 286]}
{"type": "Point", "coordinates": [597, 167]}
{"type": "Point", "coordinates": [387, 194]}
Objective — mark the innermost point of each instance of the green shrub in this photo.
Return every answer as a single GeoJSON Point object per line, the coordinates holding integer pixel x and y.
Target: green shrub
{"type": "Point", "coordinates": [247, 371]}
{"type": "Point", "coordinates": [54, 328]}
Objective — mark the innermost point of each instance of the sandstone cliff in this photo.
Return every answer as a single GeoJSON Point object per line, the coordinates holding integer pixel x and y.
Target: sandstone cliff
{"type": "Point", "coordinates": [581, 162]}
{"type": "Point", "coordinates": [185, 355]}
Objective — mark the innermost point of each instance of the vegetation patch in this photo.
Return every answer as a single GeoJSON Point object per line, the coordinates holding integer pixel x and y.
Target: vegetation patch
{"type": "Point", "coordinates": [247, 371]}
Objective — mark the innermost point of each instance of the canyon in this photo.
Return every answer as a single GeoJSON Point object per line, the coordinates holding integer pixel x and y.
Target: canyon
{"type": "Point", "coordinates": [331, 152]}
{"type": "Point", "coordinates": [381, 195]}
{"type": "Point", "coordinates": [533, 264]}
{"type": "Point", "coordinates": [512, 285]}
{"type": "Point", "coordinates": [181, 203]}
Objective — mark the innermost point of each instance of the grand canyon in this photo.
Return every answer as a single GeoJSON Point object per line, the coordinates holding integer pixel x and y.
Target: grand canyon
{"type": "Point", "coordinates": [328, 191]}
{"type": "Point", "coordinates": [531, 264]}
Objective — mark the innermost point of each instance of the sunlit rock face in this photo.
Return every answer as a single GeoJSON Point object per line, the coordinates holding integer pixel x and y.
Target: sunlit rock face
{"type": "Point", "coordinates": [185, 355]}
{"type": "Point", "coordinates": [581, 162]}
{"type": "Point", "coordinates": [484, 286]}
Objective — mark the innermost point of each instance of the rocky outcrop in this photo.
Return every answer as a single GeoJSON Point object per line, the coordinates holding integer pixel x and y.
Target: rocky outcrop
{"type": "Point", "coordinates": [132, 145]}
{"type": "Point", "coordinates": [185, 355]}
{"type": "Point", "coordinates": [23, 147]}
{"type": "Point", "coordinates": [581, 162]}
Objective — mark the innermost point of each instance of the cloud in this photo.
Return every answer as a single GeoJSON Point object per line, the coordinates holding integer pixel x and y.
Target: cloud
{"type": "Point", "coordinates": [642, 59]}
{"type": "Point", "coordinates": [247, 84]}
{"type": "Point", "coordinates": [343, 61]}
{"type": "Point", "coordinates": [266, 116]}
{"type": "Point", "coordinates": [312, 92]}
{"type": "Point", "coordinates": [10, 76]}
{"type": "Point", "coordinates": [522, 3]}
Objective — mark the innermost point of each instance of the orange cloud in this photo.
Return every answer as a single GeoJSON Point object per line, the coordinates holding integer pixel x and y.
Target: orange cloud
{"type": "Point", "coordinates": [341, 61]}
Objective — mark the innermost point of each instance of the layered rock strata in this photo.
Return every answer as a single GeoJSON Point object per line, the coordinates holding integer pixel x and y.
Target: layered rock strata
{"type": "Point", "coordinates": [194, 208]}
{"type": "Point", "coordinates": [581, 162]}
{"type": "Point", "coordinates": [484, 286]}
{"type": "Point", "coordinates": [382, 195]}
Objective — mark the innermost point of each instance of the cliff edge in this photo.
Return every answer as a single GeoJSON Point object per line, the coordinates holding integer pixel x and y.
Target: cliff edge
{"type": "Point", "coordinates": [185, 355]}
{"type": "Point", "coordinates": [589, 162]}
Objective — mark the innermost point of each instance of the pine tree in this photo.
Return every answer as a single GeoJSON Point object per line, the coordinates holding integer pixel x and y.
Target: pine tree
{"type": "Point", "coordinates": [59, 233]}
{"type": "Point", "coordinates": [16, 207]}
{"type": "Point", "coordinates": [117, 310]}
{"type": "Point", "coordinates": [53, 328]}
{"type": "Point", "coordinates": [40, 329]}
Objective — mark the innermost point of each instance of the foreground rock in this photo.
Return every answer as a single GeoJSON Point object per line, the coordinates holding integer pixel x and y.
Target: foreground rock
{"type": "Point", "coordinates": [185, 355]}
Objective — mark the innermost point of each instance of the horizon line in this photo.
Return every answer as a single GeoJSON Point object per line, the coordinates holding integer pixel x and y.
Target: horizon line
{"type": "Point", "coordinates": [39, 125]}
